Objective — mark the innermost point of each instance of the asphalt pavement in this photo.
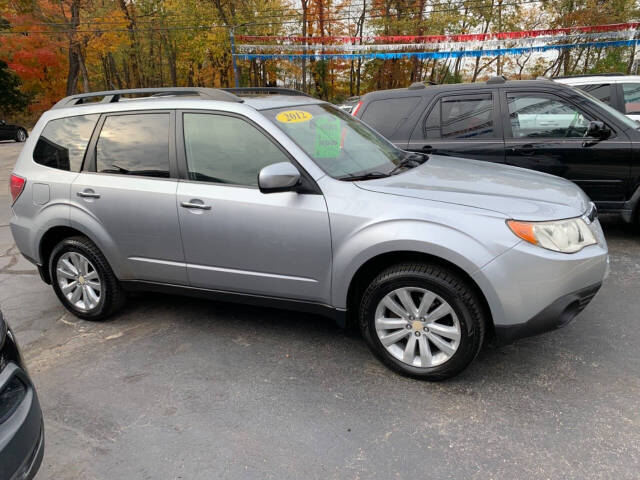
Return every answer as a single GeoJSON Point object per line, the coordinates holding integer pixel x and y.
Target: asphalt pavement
{"type": "Point", "coordinates": [177, 388]}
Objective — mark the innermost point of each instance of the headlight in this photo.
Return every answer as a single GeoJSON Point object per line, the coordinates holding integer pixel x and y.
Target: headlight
{"type": "Point", "coordinates": [566, 236]}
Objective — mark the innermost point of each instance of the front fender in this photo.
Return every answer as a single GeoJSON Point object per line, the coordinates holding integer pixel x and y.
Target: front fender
{"type": "Point", "coordinates": [442, 241]}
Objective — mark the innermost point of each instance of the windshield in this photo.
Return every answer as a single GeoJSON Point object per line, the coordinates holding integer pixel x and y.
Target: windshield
{"type": "Point", "coordinates": [341, 145]}
{"type": "Point", "coordinates": [621, 117]}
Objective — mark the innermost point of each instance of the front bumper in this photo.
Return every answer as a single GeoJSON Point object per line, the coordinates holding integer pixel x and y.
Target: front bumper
{"type": "Point", "coordinates": [556, 315]}
{"type": "Point", "coordinates": [531, 290]}
{"type": "Point", "coordinates": [22, 433]}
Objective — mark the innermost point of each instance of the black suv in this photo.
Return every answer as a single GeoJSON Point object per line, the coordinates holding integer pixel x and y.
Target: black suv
{"type": "Point", "coordinates": [536, 124]}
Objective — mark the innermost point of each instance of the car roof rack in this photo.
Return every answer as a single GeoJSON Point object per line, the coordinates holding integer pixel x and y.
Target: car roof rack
{"type": "Point", "coordinates": [614, 74]}
{"type": "Point", "coordinates": [113, 96]}
{"type": "Point", "coordinates": [497, 79]}
{"type": "Point", "coordinates": [251, 91]}
{"type": "Point", "coordinates": [421, 85]}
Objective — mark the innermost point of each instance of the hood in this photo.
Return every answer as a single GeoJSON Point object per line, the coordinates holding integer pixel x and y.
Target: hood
{"type": "Point", "coordinates": [515, 192]}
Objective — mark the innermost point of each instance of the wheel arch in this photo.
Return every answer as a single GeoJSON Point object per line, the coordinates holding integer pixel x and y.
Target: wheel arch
{"type": "Point", "coordinates": [374, 265]}
{"type": "Point", "coordinates": [47, 243]}
{"type": "Point", "coordinates": [54, 235]}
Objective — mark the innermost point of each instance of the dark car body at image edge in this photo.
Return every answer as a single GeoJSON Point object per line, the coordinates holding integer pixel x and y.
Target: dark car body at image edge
{"type": "Point", "coordinates": [536, 124]}
{"type": "Point", "coordinates": [21, 424]}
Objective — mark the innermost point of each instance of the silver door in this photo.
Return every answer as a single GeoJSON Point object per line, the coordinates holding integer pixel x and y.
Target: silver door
{"type": "Point", "coordinates": [239, 239]}
{"type": "Point", "coordinates": [128, 198]}
{"type": "Point", "coordinates": [235, 237]}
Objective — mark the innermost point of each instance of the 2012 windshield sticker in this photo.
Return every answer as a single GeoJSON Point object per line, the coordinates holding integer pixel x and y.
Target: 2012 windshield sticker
{"type": "Point", "coordinates": [294, 116]}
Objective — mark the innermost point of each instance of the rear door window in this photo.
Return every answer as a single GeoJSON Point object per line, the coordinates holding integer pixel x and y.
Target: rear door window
{"type": "Point", "coordinates": [467, 117]}
{"type": "Point", "coordinates": [460, 117]}
{"type": "Point", "coordinates": [134, 144]}
{"type": "Point", "coordinates": [63, 142]}
{"type": "Point", "coordinates": [387, 115]}
{"type": "Point", "coordinates": [631, 93]}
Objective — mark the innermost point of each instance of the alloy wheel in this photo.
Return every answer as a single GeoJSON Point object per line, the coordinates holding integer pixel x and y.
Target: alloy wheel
{"type": "Point", "coordinates": [417, 326]}
{"type": "Point", "coordinates": [79, 281]}
{"type": "Point", "coordinates": [21, 136]}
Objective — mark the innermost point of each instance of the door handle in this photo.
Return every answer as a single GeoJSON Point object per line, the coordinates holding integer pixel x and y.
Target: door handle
{"type": "Point", "coordinates": [88, 194]}
{"type": "Point", "coordinates": [427, 149]}
{"type": "Point", "coordinates": [524, 149]}
{"type": "Point", "coordinates": [199, 206]}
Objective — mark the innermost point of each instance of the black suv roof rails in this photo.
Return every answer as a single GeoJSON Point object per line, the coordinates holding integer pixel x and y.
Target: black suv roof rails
{"type": "Point", "coordinates": [249, 91]}
{"type": "Point", "coordinates": [497, 79]}
{"type": "Point", "coordinates": [614, 74]}
{"type": "Point", "coordinates": [113, 96]}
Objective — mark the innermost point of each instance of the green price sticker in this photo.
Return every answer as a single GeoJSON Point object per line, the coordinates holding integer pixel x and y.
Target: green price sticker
{"type": "Point", "coordinates": [328, 133]}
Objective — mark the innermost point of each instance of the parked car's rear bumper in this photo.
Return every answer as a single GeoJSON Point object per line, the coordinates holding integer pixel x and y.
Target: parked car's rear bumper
{"type": "Point", "coordinates": [531, 290]}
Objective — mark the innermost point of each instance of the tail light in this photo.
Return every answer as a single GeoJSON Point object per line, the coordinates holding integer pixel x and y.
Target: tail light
{"type": "Point", "coordinates": [16, 186]}
{"type": "Point", "coordinates": [355, 110]}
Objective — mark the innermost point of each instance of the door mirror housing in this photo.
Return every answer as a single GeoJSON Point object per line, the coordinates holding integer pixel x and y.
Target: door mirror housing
{"type": "Point", "coordinates": [2, 122]}
{"type": "Point", "coordinates": [597, 129]}
{"type": "Point", "coordinates": [278, 177]}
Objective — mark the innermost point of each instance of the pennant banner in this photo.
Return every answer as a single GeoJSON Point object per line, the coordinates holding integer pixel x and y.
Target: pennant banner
{"type": "Point", "coordinates": [491, 44]}
{"type": "Point", "coordinates": [432, 55]}
{"type": "Point", "coordinates": [466, 37]}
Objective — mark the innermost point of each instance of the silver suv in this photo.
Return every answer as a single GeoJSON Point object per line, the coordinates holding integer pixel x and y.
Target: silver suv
{"type": "Point", "coordinates": [284, 200]}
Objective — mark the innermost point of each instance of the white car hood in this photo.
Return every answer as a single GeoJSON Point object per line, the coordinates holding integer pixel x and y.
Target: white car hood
{"type": "Point", "coordinates": [515, 192]}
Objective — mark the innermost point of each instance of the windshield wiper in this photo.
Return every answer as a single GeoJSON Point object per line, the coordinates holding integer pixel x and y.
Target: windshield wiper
{"type": "Point", "coordinates": [364, 176]}
{"type": "Point", "coordinates": [411, 160]}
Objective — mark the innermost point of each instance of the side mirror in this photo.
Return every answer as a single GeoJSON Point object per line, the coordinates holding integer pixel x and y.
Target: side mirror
{"type": "Point", "coordinates": [2, 122]}
{"type": "Point", "coordinates": [597, 129]}
{"type": "Point", "coordinates": [278, 177]}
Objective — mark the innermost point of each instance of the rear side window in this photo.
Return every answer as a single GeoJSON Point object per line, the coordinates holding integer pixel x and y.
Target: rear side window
{"type": "Point", "coordinates": [460, 117]}
{"type": "Point", "coordinates": [63, 142]}
{"type": "Point", "coordinates": [602, 91]}
{"type": "Point", "coordinates": [631, 92]}
{"type": "Point", "coordinates": [387, 115]}
{"type": "Point", "coordinates": [135, 144]}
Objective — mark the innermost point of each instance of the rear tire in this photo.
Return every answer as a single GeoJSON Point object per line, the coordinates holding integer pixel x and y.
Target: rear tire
{"type": "Point", "coordinates": [438, 329]}
{"type": "Point", "coordinates": [21, 135]}
{"type": "Point", "coordinates": [83, 279]}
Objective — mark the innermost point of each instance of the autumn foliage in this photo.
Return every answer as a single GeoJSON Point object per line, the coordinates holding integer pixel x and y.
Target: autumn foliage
{"type": "Point", "coordinates": [59, 47]}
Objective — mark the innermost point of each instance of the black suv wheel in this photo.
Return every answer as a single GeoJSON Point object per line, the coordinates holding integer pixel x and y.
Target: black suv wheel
{"type": "Point", "coordinates": [83, 280]}
{"type": "Point", "coordinates": [422, 320]}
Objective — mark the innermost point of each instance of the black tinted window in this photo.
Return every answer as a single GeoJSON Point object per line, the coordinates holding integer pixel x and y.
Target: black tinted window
{"type": "Point", "coordinates": [227, 149]}
{"type": "Point", "coordinates": [134, 145]}
{"type": "Point", "coordinates": [387, 115]}
{"type": "Point", "coordinates": [63, 142]}
{"type": "Point", "coordinates": [601, 91]}
{"type": "Point", "coordinates": [464, 117]}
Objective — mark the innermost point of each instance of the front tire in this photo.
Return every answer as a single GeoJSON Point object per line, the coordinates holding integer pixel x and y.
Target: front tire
{"type": "Point", "coordinates": [83, 280]}
{"type": "Point", "coordinates": [422, 320]}
{"type": "Point", "coordinates": [21, 135]}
